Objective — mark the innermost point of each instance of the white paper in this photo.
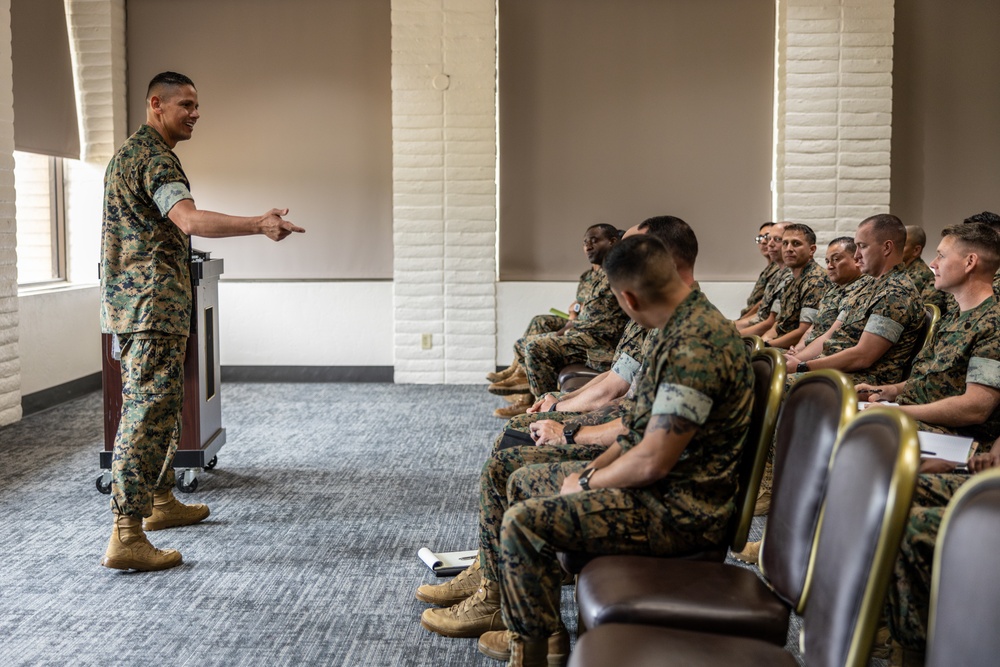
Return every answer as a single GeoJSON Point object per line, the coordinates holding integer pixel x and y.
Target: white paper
{"type": "Point", "coordinates": [955, 448]}
{"type": "Point", "coordinates": [447, 559]}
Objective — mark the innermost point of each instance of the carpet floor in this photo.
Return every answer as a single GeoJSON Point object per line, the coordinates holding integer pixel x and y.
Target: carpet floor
{"type": "Point", "coordinates": [320, 500]}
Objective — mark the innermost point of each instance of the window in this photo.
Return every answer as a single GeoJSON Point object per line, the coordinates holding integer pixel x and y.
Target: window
{"type": "Point", "coordinates": [40, 215]}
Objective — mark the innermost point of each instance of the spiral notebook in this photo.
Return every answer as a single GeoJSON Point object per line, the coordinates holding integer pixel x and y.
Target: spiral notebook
{"type": "Point", "coordinates": [447, 563]}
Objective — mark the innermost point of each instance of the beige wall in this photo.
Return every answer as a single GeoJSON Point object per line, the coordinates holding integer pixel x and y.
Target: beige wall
{"type": "Point", "coordinates": [946, 113]}
{"type": "Point", "coordinates": [295, 100]}
{"type": "Point", "coordinates": [618, 111]}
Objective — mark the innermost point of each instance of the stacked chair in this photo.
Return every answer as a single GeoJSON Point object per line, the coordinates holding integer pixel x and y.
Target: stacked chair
{"type": "Point", "coordinates": [965, 605]}
{"type": "Point", "coordinates": [831, 541]}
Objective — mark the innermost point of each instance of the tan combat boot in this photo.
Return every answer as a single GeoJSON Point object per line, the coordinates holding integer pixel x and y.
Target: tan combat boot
{"type": "Point", "coordinates": [130, 550]}
{"type": "Point", "coordinates": [518, 406]}
{"type": "Point", "coordinates": [763, 505]}
{"type": "Point", "coordinates": [515, 384]}
{"type": "Point", "coordinates": [750, 553]}
{"type": "Point", "coordinates": [477, 614]}
{"type": "Point", "coordinates": [496, 644]}
{"type": "Point", "coordinates": [500, 376]}
{"type": "Point", "coordinates": [168, 512]}
{"type": "Point", "coordinates": [455, 590]}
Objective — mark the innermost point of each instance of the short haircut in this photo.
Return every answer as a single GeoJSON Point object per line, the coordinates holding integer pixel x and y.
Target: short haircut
{"type": "Point", "coordinates": [805, 230]}
{"type": "Point", "coordinates": [766, 225]}
{"type": "Point", "coordinates": [676, 235]}
{"type": "Point", "coordinates": [918, 235]}
{"type": "Point", "coordinates": [986, 217]}
{"type": "Point", "coordinates": [846, 241]}
{"type": "Point", "coordinates": [640, 263]}
{"type": "Point", "coordinates": [887, 227]}
{"type": "Point", "coordinates": [167, 80]}
{"type": "Point", "coordinates": [982, 238]}
{"type": "Point", "coordinates": [608, 231]}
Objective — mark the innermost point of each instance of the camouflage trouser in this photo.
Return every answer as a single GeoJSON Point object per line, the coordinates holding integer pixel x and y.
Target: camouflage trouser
{"type": "Point", "coordinates": [601, 416]}
{"type": "Point", "coordinates": [493, 482]}
{"type": "Point", "coordinates": [540, 523]}
{"type": "Point", "coordinates": [543, 324]}
{"type": "Point", "coordinates": [908, 600]}
{"type": "Point", "coordinates": [544, 356]}
{"type": "Point", "coordinates": [152, 366]}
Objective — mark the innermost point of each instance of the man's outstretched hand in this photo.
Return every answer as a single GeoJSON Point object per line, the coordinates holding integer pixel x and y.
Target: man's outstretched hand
{"type": "Point", "coordinates": [275, 227]}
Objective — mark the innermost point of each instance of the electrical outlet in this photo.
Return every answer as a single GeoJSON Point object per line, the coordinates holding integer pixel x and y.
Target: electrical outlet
{"type": "Point", "coordinates": [426, 341]}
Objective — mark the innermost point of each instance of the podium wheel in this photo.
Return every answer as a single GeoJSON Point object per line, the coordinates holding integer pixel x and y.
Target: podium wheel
{"type": "Point", "coordinates": [211, 464]}
{"type": "Point", "coordinates": [102, 486]}
{"type": "Point", "coordinates": [187, 488]}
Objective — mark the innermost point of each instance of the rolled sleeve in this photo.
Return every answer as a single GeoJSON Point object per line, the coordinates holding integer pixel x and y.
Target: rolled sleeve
{"type": "Point", "coordinates": [983, 371]}
{"type": "Point", "coordinates": [681, 401]}
{"type": "Point", "coordinates": [626, 367]}
{"type": "Point", "coordinates": [810, 315]}
{"type": "Point", "coordinates": [884, 327]}
{"type": "Point", "coordinates": [168, 195]}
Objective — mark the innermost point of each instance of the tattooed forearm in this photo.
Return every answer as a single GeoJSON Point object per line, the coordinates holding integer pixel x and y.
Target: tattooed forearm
{"type": "Point", "coordinates": [672, 424]}
{"type": "Point", "coordinates": [600, 416]}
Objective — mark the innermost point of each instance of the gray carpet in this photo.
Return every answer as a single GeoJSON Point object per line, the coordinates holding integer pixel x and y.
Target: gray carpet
{"type": "Point", "coordinates": [320, 500]}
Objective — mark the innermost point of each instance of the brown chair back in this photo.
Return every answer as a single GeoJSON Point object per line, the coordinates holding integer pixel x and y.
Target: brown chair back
{"type": "Point", "coordinates": [768, 389]}
{"type": "Point", "coordinates": [868, 495]}
{"type": "Point", "coordinates": [964, 600]}
{"type": "Point", "coordinates": [815, 409]}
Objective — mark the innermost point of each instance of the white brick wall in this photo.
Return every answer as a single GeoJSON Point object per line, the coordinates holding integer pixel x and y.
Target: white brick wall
{"type": "Point", "coordinates": [97, 38]}
{"type": "Point", "coordinates": [444, 188]}
{"type": "Point", "coordinates": [10, 364]}
{"type": "Point", "coordinates": [833, 112]}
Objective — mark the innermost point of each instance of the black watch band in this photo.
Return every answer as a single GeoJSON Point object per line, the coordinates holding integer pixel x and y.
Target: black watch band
{"type": "Point", "coordinates": [569, 432]}
{"type": "Point", "coordinates": [584, 480]}
{"type": "Point", "coordinates": [803, 367]}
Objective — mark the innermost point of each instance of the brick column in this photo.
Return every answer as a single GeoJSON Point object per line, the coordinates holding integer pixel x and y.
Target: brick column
{"type": "Point", "coordinates": [10, 365]}
{"type": "Point", "coordinates": [444, 189]}
{"type": "Point", "coordinates": [833, 112]}
{"type": "Point", "coordinates": [97, 46]}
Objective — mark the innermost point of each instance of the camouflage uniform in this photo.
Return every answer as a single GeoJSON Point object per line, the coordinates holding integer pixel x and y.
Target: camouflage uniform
{"type": "Point", "coordinates": [908, 600]}
{"type": "Point", "coordinates": [772, 294]}
{"type": "Point", "coordinates": [800, 299]}
{"type": "Point", "coordinates": [632, 350]}
{"type": "Point", "coordinates": [920, 274]}
{"type": "Point", "coordinates": [598, 327]}
{"type": "Point", "coordinates": [965, 349]}
{"type": "Point", "coordinates": [146, 302]}
{"type": "Point", "coordinates": [757, 293]}
{"type": "Point", "coordinates": [699, 370]}
{"type": "Point", "coordinates": [830, 305]}
{"type": "Point", "coordinates": [890, 307]}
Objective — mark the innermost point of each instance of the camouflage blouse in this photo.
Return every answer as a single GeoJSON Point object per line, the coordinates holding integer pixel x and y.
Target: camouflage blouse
{"type": "Point", "coordinates": [600, 315]}
{"type": "Point", "coordinates": [830, 305]}
{"type": "Point", "coordinates": [965, 349]}
{"type": "Point", "coordinates": [800, 299]}
{"type": "Point", "coordinates": [699, 370]}
{"type": "Point", "coordinates": [145, 269]}
{"type": "Point", "coordinates": [891, 308]}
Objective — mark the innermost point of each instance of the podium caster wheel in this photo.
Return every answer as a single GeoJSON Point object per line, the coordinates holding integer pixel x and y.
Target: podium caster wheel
{"type": "Point", "coordinates": [102, 486]}
{"type": "Point", "coordinates": [211, 464]}
{"type": "Point", "coordinates": [187, 488]}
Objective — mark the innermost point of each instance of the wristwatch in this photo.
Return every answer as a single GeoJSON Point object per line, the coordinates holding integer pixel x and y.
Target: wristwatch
{"type": "Point", "coordinates": [584, 480]}
{"type": "Point", "coordinates": [569, 432]}
{"type": "Point", "coordinates": [803, 367]}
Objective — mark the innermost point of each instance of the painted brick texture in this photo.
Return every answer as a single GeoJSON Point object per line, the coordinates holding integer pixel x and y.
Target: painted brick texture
{"type": "Point", "coordinates": [834, 112]}
{"type": "Point", "coordinates": [444, 188]}
{"type": "Point", "coordinates": [10, 365]}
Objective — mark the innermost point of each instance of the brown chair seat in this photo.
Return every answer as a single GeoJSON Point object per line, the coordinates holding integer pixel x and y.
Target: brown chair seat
{"type": "Point", "coordinates": [701, 595]}
{"type": "Point", "coordinates": [620, 645]}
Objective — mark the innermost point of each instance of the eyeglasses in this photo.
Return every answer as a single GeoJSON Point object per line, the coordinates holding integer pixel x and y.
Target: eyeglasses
{"type": "Point", "coordinates": [761, 238]}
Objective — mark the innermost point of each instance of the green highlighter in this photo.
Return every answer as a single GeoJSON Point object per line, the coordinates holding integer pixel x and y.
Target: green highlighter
{"type": "Point", "coordinates": [559, 313]}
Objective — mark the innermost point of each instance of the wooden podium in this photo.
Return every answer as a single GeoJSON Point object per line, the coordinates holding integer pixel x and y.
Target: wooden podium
{"type": "Point", "coordinates": [202, 434]}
